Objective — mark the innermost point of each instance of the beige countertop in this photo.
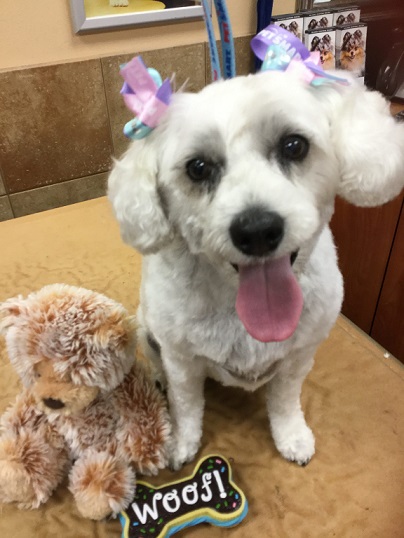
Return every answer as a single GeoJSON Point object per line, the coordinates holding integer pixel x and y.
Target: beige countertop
{"type": "Point", "coordinates": [353, 400]}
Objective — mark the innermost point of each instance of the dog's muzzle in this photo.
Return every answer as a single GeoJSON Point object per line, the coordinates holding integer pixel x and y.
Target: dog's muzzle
{"type": "Point", "coordinates": [256, 231]}
{"type": "Point", "coordinates": [269, 298]}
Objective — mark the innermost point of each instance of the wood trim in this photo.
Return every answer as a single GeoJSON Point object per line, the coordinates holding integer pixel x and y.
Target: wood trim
{"type": "Point", "coordinates": [364, 240]}
{"type": "Point", "coordinates": [388, 326]}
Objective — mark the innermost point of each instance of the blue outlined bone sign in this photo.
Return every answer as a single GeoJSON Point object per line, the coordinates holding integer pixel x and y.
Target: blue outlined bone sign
{"type": "Point", "coordinates": [209, 495]}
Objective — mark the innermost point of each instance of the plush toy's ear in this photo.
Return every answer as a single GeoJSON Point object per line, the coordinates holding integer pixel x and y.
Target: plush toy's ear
{"type": "Point", "coordinates": [10, 310]}
{"type": "Point", "coordinates": [369, 144]}
{"type": "Point", "coordinates": [132, 190]}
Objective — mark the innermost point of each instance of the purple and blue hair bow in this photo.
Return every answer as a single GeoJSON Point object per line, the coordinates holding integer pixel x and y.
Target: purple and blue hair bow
{"type": "Point", "coordinates": [280, 50]}
{"type": "Point", "coordinates": [148, 97]}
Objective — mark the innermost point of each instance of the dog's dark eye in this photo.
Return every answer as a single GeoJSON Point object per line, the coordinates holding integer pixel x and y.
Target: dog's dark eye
{"type": "Point", "coordinates": [199, 170]}
{"type": "Point", "coordinates": [294, 148]}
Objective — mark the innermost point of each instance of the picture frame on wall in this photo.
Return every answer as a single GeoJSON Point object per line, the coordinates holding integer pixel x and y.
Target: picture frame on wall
{"type": "Point", "coordinates": [103, 15]}
{"type": "Point", "coordinates": [307, 5]}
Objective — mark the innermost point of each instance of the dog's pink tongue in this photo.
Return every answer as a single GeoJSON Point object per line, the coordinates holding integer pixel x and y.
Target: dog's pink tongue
{"type": "Point", "coordinates": [269, 300]}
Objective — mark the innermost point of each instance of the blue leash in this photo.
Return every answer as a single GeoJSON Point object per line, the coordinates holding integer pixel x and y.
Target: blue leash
{"type": "Point", "coordinates": [226, 36]}
{"type": "Point", "coordinates": [264, 16]}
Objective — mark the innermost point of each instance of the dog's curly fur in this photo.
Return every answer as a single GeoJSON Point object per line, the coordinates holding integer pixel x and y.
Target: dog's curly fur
{"type": "Point", "coordinates": [87, 409]}
{"type": "Point", "coordinates": [239, 129]}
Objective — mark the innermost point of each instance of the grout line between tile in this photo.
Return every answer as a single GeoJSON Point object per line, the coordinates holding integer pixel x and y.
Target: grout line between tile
{"type": "Point", "coordinates": [111, 139]}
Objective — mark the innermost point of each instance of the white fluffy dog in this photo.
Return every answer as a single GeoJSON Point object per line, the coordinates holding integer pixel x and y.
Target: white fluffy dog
{"type": "Point", "coordinates": [230, 199]}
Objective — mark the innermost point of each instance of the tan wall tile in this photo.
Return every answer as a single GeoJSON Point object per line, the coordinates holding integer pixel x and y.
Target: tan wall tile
{"type": "Point", "coordinates": [187, 62]}
{"type": "Point", "coordinates": [244, 57]}
{"type": "Point", "coordinates": [6, 212]}
{"type": "Point", "coordinates": [53, 124]}
{"type": "Point", "coordinates": [51, 196]}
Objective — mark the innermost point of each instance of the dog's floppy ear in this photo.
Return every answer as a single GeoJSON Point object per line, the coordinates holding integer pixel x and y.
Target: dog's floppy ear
{"type": "Point", "coordinates": [369, 144]}
{"type": "Point", "coordinates": [345, 39]}
{"type": "Point", "coordinates": [132, 190]}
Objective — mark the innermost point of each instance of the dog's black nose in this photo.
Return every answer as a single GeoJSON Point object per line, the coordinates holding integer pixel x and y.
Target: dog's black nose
{"type": "Point", "coordinates": [53, 404]}
{"type": "Point", "coordinates": [257, 232]}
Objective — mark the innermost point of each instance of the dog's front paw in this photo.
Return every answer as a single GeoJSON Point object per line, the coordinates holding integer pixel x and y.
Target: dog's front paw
{"type": "Point", "coordinates": [181, 451]}
{"type": "Point", "coordinates": [297, 444]}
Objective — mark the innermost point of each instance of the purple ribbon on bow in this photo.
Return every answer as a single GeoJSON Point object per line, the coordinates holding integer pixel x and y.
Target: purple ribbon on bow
{"type": "Point", "coordinates": [145, 95]}
{"type": "Point", "coordinates": [280, 50]}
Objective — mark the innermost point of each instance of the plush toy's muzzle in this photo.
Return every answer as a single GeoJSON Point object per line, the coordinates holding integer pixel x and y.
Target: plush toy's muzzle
{"type": "Point", "coordinates": [55, 394]}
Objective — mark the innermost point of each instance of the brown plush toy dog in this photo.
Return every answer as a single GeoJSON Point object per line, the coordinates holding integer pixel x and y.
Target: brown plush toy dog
{"type": "Point", "coordinates": [86, 408]}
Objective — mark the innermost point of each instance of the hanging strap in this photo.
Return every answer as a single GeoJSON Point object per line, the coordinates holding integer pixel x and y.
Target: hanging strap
{"type": "Point", "coordinates": [226, 37]}
{"type": "Point", "coordinates": [264, 17]}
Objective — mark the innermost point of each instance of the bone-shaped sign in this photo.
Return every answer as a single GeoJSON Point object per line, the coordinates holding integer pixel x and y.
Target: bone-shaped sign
{"type": "Point", "coordinates": [208, 496]}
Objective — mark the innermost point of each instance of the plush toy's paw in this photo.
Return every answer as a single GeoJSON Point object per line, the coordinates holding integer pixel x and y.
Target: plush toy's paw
{"type": "Point", "coordinates": [101, 484]}
{"type": "Point", "coordinates": [144, 427]}
{"type": "Point", "coordinates": [295, 444]}
{"type": "Point", "coordinates": [29, 469]}
{"type": "Point", "coordinates": [147, 449]}
{"type": "Point", "coordinates": [15, 485]}
{"type": "Point", "coordinates": [151, 463]}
